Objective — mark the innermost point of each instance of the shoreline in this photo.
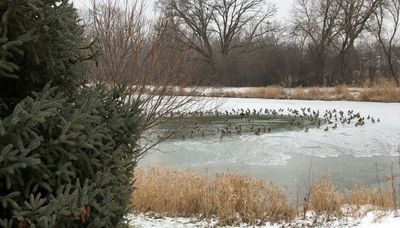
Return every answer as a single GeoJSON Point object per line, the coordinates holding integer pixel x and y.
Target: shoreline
{"type": "Point", "coordinates": [229, 199]}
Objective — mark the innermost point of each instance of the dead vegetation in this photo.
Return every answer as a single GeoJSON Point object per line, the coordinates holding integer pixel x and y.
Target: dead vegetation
{"type": "Point", "coordinates": [269, 92]}
{"type": "Point", "coordinates": [230, 197]}
{"type": "Point", "coordinates": [361, 195]}
{"type": "Point", "coordinates": [133, 55]}
{"type": "Point", "coordinates": [326, 197]}
{"type": "Point", "coordinates": [236, 198]}
{"type": "Point", "coordinates": [339, 92]}
{"type": "Point", "coordinates": [381, 92]}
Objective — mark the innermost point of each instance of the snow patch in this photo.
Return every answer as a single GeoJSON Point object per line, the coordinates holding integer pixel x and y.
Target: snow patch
{"type": "Point", "coordinates": [364, 217]}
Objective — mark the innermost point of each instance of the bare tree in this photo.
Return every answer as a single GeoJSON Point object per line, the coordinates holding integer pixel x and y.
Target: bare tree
{"type": "Point", "coordinates": [235, 40]}
{"type": "Point", "coordinates": [353, 18]}
{"type": "Point", "coordinates": [231, 17]}
{"type": "Point", "coordinates": [387, 18]}
{"type": "Point", "coordinates": [317, 20]}
{"type": "Point", "coordinates": [233, 23]}
{"type": "Point", "coordinates": [137, 57]}
{"type": "Point", "coordinates": [190, 24]}
{"type": "Point", "coordinates": [119, 30]}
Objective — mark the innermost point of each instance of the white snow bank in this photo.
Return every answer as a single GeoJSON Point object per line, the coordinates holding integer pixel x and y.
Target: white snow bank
{"type": "Point", "coordinates": [371, 219]}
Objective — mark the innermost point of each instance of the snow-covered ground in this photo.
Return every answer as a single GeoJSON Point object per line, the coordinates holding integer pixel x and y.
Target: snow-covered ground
{"type": "Point", "coordinates": [237, 91]}
{"type": "Point", "coordinates": [366, 219]}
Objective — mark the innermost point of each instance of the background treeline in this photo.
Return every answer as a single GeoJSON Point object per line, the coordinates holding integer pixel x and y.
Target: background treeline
{"type": "Point", "coordinates": [238, 43]}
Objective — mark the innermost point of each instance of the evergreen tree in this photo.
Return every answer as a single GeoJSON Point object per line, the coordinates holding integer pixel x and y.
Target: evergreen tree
{"type": "Point", "coordinates": [40, 41]}
{"type": "Point", "coordinates": [67, 153]}
{"type": "Point", "coordinates": [68, 162]}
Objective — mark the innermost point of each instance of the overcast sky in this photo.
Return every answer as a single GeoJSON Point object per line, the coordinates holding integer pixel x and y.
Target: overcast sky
{"type": "Point", "coordinates": [284, 6]}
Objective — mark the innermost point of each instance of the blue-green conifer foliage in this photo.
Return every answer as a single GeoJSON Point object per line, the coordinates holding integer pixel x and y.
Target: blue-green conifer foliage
{"type": "Point", "coordinates": [67, 150]}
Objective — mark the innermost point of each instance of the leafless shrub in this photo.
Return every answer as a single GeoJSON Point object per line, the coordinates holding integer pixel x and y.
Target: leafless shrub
{"type": "Point", "coordinates": [135, 52]}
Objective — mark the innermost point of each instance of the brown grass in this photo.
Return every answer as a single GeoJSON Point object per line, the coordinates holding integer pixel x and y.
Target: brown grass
{"type": "Point", "coordinates": [269, 92]}
{"type": "Point", "coordinates": [361, 195]}
{"type": "Point", "coordinates": [313, 93]}
{"type": "Point", "coordinates": [326, 197]}
{"type": "Point", "coordinates": [239, 198]}
{"type": "Point", "coordinates": [342, 92]}
{"type": "Point", "coordinates": [227, 94]}
{"type": "Point", "coordinates": [381, 91]}
{"type": "Point", "coordinates": [230, 197]}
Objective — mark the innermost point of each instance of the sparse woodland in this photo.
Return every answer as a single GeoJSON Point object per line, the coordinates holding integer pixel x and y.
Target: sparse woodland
{"type": "Point", "coordinates": [239, 42]}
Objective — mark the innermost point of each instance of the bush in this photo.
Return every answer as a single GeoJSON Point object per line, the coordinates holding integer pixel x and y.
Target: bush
{"type": "Point", "coordinates": [68, 162]}
{"type": "Point", "coordinates": [40, 41]}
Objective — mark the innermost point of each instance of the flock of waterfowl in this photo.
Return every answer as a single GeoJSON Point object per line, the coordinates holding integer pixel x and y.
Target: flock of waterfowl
{"type": "Point", "coordinates": [252, 121]}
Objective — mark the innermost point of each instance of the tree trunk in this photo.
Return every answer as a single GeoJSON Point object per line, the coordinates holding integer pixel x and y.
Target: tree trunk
{"type": "Point", "coordinates": [393, 72]}
{"type": "Point", "coordinates": [319, 73]}
{"type": "Point", "coordinates": [344, 72]}
{"type": "Point", "coordinates": [319, 68]}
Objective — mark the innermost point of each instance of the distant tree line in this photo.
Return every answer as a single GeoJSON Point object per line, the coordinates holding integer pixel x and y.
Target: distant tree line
{"type": "Point", "coordinates": [238, 43]}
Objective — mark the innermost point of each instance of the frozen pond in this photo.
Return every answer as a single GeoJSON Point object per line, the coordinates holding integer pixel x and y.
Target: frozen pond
{"type": "Point", "coordinates": [350, 154]}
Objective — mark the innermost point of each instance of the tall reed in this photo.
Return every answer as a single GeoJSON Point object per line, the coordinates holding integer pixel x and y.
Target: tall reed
{"type": "Point", "coordinates": [239, 198]}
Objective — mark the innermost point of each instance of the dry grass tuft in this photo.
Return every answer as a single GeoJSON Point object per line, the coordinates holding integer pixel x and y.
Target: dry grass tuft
{"type": "Point", "coordinates": [313, 93]}
{"type": "Point", "coordinates": [361, 195]}
{"type": "Point", "coordinates": [342, 92]}
{"type": "Point", "coordinates": [232, 198]}
{"type": "Point", "coordinates": [228, 94]}
{"type": "Point", "coordinates": [382, 91]}
{"type": "Point", "coordinates": [379, 91]}
{"type": "Point", "coordinates": [269, 92]}
{"type": "Point", "coordinates": [326, 197]}
{"type": "Point", "coordinates": [237, 198]}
